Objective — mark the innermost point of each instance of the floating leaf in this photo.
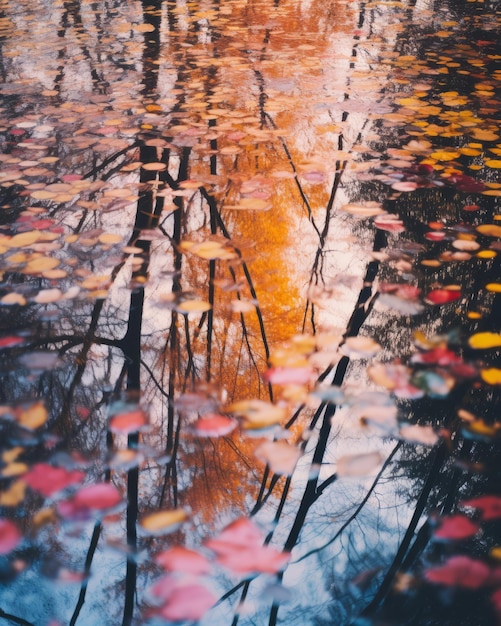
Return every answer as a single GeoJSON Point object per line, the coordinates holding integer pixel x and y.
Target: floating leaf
{"type": "Point", "coordinates": [164, 522]}
{"type": "Point", "coordinates": [359, 464]}
{"type": "Point", "coordinates": [490, 230]}
{"type": "Point", "coordinates": [184, 600]}
{"type": "Point", "coordinates": [128, 422]}
{"type": "Point", "coordinates": [214, 425]}
{"type": "Point", "coordinates": [419, 434]}
{"type": "Point", "coordinates": [14, 494]}
{"type": "Point", "coordinates": [489, 506]}
{"type": "Point", "coordinates": [289, 375]}
{"type": "Point", "coordinates": [492, 375]}
{"type": "Point", "coordinates": [180, 559]}
{"type": "Point", "coordinates": [360, 346]}
{"type": "Point", "coordinates": [32, 416]}
{"type": "Point", "coordinates": [193, 306]}
{"type": "Point", "coordinates": [98, 497]}
{"type": "Point", "coordinates": [239, 547]}
{"type": "Point", "coordinates": [279, 455]}
{"type": "Point", "coordinates": [456, 528]}
{"type": "Point", "coordinates": [364, 209]}
{"type": "Point", "coordinates": [258, 413]}
{"type": "Point", "coordinates": [485, 340]}
{"type": "Point", "coordinates": [48, 480]}
{"type": "Point", "coordinates": [442, 296]}
{"type": "Point", "coordinates": [460, 571]}
{"type": "Point", "coordinates": [10, 536]}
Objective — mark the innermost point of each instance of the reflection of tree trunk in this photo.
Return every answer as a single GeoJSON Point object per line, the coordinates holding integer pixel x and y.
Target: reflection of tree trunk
{"type": "Point", "coordinates": [147, 217]}
{"type": "Point", "coordinates": [432, 479]}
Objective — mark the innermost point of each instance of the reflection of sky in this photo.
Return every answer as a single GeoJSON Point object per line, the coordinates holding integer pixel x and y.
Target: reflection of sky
{"type": "Point", "coordinates": [310, 86]}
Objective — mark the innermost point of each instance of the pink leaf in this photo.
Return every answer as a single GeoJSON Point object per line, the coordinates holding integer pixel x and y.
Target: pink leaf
{"type": "Point", "coordinates": [456, 527]}
{"type": "Point", "coordinates": [128, 422]}
{"type": "Point", "coordinates": [185, 599]}
{"type": "Point", "coordinates": [214, 425]}
{"type": "Point", "coordinates": [239, 548]}
{"type": "Point", "coordinates": [48, 480]}
{"type": "Point", "coordinates": [289, 375]}
{"type": "Point", "coordinates": [179, 559]}
{"type": "Point", "coordinates": [460, 571]}
{"type": "Point", "coordinates": [490, 506]}
{"type": "Point", "coordinates": [10, 536]}
{"type": "Point", "coordinates": [99, 497]}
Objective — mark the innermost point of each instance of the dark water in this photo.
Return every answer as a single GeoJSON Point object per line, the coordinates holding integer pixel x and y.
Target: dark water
{"type": "Point", "coordinates": [250, 281]}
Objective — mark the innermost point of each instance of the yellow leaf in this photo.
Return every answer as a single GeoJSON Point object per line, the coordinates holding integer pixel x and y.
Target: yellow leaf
{"type": "Point", "coordinates": [11, 455]}
{"type": "Point", "coordinates": [164, 521]}
{"type": "Point", "coordinates": [490, 230]}
{"type": "Point", "coordinates": [193, 306]}
{"type": "Point", "coordinates": [491, 376]}
{"type": "Point", "coordinates": [13, 298]}
{"type": "Point", "coordinates": [14, 469]}
{"type": "Point", "coordinates": [494, 287]}
{"type": "Point", "coordinates": [23, 239]}
{"type": "Point", "coordinates": [33, 416]}
{"type": "Point", "coordinates": [14, 494]}
{"type": "Point", "coordinates": [481, 341]}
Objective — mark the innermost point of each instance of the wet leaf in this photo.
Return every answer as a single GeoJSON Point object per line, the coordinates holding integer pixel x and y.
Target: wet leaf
{"type": "Point", "coordinates": [10, 536]}
{"type": "Point", "coordinates": [258, 413]}
{"type": "Point", "coordinates": [180, 559]}
{"type": "Point", "coordinates": [488, 505]}
{"type": "Point", "coordinates": [460, 571]}
{"type": "Point", "coordinates": [164, 522]}
{"type": "Point", "coordinates": [48, 480]}
{"type": "Point", "coordinates": [32, 416]}
{"type": "Point", "coordinates": [184, 600]}
{"type": "Point", "coordinates": [214, 425]}
{"type": "Point", "coordinates": [128, 421]}
{"type": "Point", "coordinates": [98, 497]}
{"type": "Point", "coordinates": [239, 547]}
{"type": "Point", "coordinates": [492, 375]}
{"type": "Point", "coordinates": [359, 464]}
{"type": "Point", "coordinates": [442, 296]}
{"type": "Point", "coordinates": [280, 456]}
{"type": "Point", "coordinates": [490, 230]}
{"type": "Point", "coordinates": [414, 433]}
{"type": "Point", "coordinates": [456, 528]}
{"type": "Point", "coordinates": [484, 341]}
{"type": "Point", "coordinates": [14, 494]}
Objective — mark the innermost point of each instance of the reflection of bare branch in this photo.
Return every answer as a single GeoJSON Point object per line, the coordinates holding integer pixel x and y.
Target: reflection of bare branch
{"type": "Point", "coordinates": [88, 563]}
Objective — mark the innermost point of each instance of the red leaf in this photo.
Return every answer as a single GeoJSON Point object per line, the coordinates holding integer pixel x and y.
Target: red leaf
{"type": "Point", "coordinates": [456, 527]}
{"type": "Point", "coordinates": [48, 480]}
{"type": "Point", "coordinates": [10, 536]}
{"type": "Point", "coordinates": [442, 296]}
{"type": "Point", "coordinates": [460, 571]}
{"type": "Point", "coordinates": [490, 506]}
